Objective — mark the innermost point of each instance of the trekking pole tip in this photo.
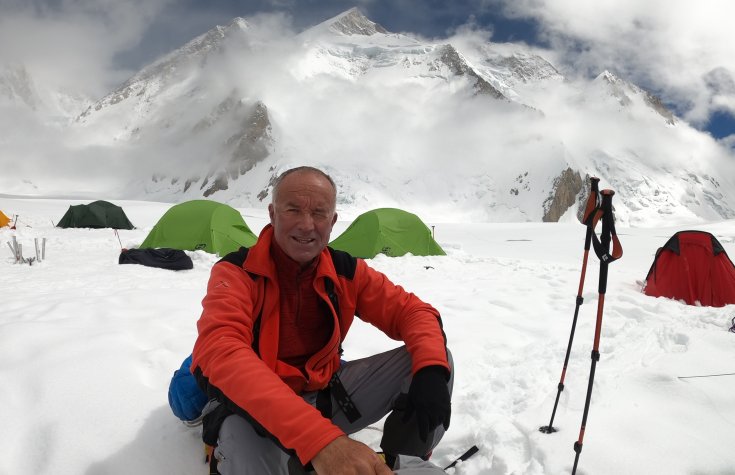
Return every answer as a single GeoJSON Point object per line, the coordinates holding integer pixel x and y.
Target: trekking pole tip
{"type": "Point", "coordinates": [547, 429]}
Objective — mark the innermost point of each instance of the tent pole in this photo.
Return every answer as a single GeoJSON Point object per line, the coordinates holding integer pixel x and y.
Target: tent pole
{"type": "Point", "coordinates": [118, 239]}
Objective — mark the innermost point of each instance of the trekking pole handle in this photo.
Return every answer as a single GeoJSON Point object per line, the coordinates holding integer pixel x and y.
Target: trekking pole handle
{"type": "Point", "coordinates": [608, 227]}
{"type": "Point", "coordinates": [607, 216]}
{"type": "Point", "coordinates": [592, 203]}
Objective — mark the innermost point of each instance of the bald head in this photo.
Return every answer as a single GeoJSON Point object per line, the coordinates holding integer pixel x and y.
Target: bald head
{"type": "Point", "coordinates": [299, 172]}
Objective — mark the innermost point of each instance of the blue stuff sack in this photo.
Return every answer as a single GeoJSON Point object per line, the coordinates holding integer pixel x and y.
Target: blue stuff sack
{"type": "Point", "coordinates": [184, 396]}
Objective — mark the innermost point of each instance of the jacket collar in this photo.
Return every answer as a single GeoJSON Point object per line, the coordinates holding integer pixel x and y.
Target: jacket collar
{"type": "Point", "coordinates": [260, 262]}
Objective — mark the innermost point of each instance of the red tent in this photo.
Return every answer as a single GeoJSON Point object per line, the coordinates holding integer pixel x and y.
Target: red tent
{"type": "Point", "coordinates": [694, 267]}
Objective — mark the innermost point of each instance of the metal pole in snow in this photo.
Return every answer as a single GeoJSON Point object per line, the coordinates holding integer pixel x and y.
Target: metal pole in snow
{"type": "Point", "coordinates": [38, 254]}
{"type": "Point", "coordinates": [16, 250]}
{"type": "Point", "coordinates": [43, 249]}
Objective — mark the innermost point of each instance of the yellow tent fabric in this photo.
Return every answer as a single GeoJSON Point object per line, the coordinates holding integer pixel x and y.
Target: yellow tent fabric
{"type": "Point", "coordinates": [4, 220]}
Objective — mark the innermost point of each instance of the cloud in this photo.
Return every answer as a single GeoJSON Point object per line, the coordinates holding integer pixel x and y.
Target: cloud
{"type": "Point", "coordinates": [681, 50]}
{"type": "Point", "coordinates": [71, 44]}
{"type": "Point", "coordinates": [390, 136]}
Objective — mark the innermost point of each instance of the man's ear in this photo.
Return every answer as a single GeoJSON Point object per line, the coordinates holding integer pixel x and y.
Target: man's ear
{"type": "Point", "coordinates": [271, 212]}
{"type": "Point", "coordinates": [334, 218]}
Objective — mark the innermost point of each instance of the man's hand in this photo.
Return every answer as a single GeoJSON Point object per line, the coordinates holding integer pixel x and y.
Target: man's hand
{"type": "Point", "coordinates": [428, 396]}
{"type": "Point", "coordinates": [344, 456]}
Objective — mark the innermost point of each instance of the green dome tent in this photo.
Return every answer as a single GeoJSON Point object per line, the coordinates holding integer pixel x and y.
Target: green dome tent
{"type": "Point", "coordinates": [97, 214]}
{"type": "Point", "coordinates": [388, 231]}
{"type": "Point", "coordinates": [201, 225]}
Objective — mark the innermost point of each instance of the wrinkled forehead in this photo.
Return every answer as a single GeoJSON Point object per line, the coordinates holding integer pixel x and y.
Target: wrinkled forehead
{"type": "Point", "coordinates": [305, 187]}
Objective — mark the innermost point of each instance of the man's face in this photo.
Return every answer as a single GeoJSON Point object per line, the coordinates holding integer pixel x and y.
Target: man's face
{"type": "Point", "coordinates": [302, 215]}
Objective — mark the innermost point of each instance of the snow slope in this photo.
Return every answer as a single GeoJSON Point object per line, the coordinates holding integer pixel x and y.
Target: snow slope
{"type": "Point", "coordinates": [87, 349]}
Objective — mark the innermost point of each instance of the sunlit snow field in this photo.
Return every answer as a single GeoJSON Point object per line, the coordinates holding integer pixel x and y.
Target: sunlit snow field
{"type": "Point", "coordinates": [87, 349]}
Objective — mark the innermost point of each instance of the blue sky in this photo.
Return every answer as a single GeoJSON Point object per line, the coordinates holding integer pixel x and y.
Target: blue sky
{"type": "Point", "coordinates": [721, 124]}
{"type": "Point", "coordinates": [680, 50]}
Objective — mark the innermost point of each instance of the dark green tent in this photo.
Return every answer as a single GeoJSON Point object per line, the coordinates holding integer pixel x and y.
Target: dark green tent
{"type": "Point", "coordinates": [388, 231]}
{"type": "Point", "coordinates": [201, 225]}
{"type": "Point", "coordinates": [97, 214]}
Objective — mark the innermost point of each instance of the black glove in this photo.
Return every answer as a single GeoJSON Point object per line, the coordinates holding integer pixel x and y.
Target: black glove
{"type": "Point", "coordinates": [428, 396]}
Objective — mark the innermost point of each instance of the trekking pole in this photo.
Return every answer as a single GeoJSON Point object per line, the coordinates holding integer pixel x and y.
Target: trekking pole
{"type": "Point", "coordinates": [591, 215]}
{"type": "Point", "coordinates": [470, 452]}
{"type": "Point", "coordinates": [602, 249]}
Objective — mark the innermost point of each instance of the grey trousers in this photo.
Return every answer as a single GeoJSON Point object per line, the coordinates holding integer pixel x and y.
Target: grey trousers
{"type": "Point", "coordinates": [377, 385]}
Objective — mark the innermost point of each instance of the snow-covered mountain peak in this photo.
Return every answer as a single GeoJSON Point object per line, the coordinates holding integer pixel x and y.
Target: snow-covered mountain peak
{"type": "Point", "coordinates": [196, 48]}
{"type": "Point", "coordinates": [352, 22]}
{"type": "Point", "coordinates": [608, 76]}
{"type": "Point", "coordinates": [626, 94]}
{"type": "Point", "coordinates": [170, 71]}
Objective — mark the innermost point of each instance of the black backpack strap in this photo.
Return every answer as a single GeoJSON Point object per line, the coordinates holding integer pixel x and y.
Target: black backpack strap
{"type": "Point", "coordinates": [237, 258]}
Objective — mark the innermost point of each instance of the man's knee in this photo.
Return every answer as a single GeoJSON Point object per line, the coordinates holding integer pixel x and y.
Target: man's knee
{"type": "Point", "coordinates": [242, 451]}
{"type": "Point", "coordinates": [450, 360]}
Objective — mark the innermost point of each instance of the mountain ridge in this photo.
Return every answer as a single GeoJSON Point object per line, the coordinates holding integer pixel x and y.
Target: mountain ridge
{"type": "Point", "coordinates": [460, 127]}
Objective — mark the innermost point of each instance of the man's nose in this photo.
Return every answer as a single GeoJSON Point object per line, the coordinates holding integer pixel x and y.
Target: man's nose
{"type": "Point", "coordinates": [306, 221]}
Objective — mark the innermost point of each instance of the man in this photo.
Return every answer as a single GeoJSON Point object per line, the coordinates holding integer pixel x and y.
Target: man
{"type": "Point", "coordinates": [270, 340]}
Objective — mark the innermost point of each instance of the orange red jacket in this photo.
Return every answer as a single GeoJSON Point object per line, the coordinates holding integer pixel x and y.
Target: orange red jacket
{"type": "Point", "coordinates": [268, 390]}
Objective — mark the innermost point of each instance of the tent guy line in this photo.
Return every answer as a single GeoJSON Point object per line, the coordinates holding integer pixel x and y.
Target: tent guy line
{"type": "Point", "coordinates": [706, 375]}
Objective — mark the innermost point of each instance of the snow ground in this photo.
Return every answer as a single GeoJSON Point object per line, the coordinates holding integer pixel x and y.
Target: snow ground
{"type": "Point", "coordinates": [87, 349]}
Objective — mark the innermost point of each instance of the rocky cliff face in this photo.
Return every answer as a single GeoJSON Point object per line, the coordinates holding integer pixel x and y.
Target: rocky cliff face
{"type": "Point", "coordinates": [459, 67]}
{"type": "Point", "coordinates": [566, 190]}
{"type": "Point", "coordinates": [353, 22]}
{"type": "Point", "coordinates": [250, 145]}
